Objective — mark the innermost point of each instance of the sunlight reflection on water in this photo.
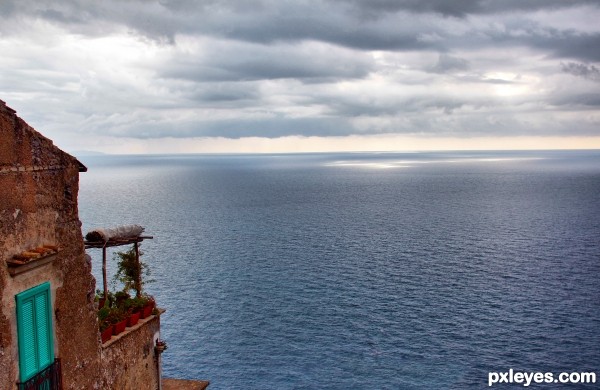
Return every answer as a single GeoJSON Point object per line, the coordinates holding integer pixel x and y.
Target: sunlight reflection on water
{"type": "Point", "coordinates": [412, 163]}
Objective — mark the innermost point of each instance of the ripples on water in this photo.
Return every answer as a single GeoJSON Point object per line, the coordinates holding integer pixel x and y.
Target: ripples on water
{"type": "Point", "coordinates": [328, 271]}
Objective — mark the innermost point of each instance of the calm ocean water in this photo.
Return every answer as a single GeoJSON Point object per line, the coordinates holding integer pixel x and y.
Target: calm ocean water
{"type": "Point", "coordinates": [364, 270]}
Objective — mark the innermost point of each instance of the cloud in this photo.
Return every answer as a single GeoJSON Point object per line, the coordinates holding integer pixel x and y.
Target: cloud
{"type": "Point", "coordinates": [461, 8]}
{"type": "Point", "coordinates": [447, 63]}
{"type": "Point", "coordinates": [390, 25]}
{"type": "Point", "coordinates": [583, 100]}
{"type": "Point", "coordinates": [268, 126]}
{"type": "Point", "coordinates": [569, 45]}
{"type": "Point", "coordinates": [240, 61]}
{"type": "Point", "coordinates": [589, 72]}
{"type": "Point", "coordinates": [259, 68]}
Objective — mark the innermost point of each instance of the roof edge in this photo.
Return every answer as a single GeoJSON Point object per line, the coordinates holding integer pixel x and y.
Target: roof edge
{"type": "Point", "coordinates": [4, 107]}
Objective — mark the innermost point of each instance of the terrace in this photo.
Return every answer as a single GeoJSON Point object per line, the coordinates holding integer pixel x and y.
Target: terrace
{"type": "Point", "coordinates": [129, 325]}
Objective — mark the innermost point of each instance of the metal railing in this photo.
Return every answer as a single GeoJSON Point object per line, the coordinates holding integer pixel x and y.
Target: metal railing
{"type": "Point", "coordinates": [50, 378]}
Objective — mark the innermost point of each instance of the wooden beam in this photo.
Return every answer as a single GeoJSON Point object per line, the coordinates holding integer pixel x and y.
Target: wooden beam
{"type": "Point", "coordinates": [138, 278]}
{"type": "Point", "coordinates": [104, 282]}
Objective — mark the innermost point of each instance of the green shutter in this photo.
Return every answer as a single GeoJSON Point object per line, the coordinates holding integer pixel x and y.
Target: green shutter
{"type": "Point", "coordinates": [34, 328]}
{"type": "Point", "coordinates": [44, 330]}
{"type": "Point", "coordinates": [27, 344]}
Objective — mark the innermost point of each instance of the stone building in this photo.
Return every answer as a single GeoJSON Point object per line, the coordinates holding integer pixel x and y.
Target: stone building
{"type": "Point", "coordinates": [48, 317]}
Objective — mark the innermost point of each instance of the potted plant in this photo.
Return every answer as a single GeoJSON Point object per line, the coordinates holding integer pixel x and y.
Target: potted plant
{"type": "Point", "coordinates": [134, 304]}
{"type": "Point", "coordinates": [107, 333]}
{"type": "Point", "coordinates": [133, 318]}
{"type": "Point", "coordinates": [101, 301]}
{"type": "Point", "coordinates": [106, 327]}
{"type": "Point", "coordinates": [119, 319]}
{"type": "Point", "coordinates": [133, 307]}
{"type": "Point", "coordinates": [121, 309]}
{"type": "Point", "coordinates": [99, 298]}
{"type": "Point", "coordinates": [145, 304]}
{"type": "Point", "coordinates": [121, 297]}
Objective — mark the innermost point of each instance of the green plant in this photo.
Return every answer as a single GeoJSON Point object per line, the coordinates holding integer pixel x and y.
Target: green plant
{"type": "Point", "coordinates": [108, 316]}
{"type": "Point", "coordinates": [132, 305]}
{"type": "Point", "coordinates": [100, 296]}
{"type": "Point", "coordinates": [115, 315]}
{"type": "Point", "coordinates": [130, 270]}
{"type": "Point", "coordinates": [103, 314]}
{"type": "Point", "coordinates": [121, 297]}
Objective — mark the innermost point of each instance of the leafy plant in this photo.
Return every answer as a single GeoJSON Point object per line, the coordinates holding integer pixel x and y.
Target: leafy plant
{"type": "Point", "coordinates": [100, 296]}
{"type": "Point", "coordinates": [121, 297]}
{"type": "Point", "coordinates": [103, 314]}
{"type": "Point", "coordinates": [115, 315]}
{"type": "Point", "coordinates": [121, 304]}
{"type": "Point", "coordinates": [132, 305]}
{"type": "Point", "coordinates": [130, 271]}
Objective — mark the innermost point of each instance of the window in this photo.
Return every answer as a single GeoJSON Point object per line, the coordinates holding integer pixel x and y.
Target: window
{"type": "Point", "coordinates": [34, 328]}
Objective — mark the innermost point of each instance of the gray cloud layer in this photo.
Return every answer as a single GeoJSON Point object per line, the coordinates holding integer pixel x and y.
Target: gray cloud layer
{"type": "Point", "coordinates": [183, 68]}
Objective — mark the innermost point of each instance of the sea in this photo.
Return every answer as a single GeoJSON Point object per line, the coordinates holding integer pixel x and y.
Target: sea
{"type": "Point", "coordinates": [428, 270]}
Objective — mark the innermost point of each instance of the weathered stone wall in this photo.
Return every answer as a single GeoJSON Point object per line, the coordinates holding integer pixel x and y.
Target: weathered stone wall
{"type": "Point", "coordinates": [130, 363]}
{"type": "Point", "coordinates": [38, 206]}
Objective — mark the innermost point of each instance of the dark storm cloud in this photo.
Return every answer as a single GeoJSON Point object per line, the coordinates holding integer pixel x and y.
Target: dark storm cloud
{"type": "Point", "coordinates": [460, 8]}
{"type": "Point", "coordinates": [589, 72]}
{"type": "Point", "coordinates": [566, 44]}
{"type": "Point", "coordinates": [243, 62]}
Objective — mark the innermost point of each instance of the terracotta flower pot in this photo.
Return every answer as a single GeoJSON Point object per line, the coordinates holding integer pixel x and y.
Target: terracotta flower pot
{"type": "Point", "coordinates": [133, 319]}
{"type": "Point", "coordinates": [120, 327]}
{"type": "Point", "coordinates": [147, 311]}
{"type": "Point", "coordinates": [106, 334]}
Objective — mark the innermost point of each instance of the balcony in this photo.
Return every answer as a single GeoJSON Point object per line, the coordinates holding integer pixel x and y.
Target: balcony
{"type": "Point", "coordinates": [50, 378]}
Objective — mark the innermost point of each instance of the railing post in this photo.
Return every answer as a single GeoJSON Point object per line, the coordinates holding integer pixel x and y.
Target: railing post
{"type": "Point", "coordinates": [138, 277]}
{"type": "Point", "coordinates": [50, 378]}
{"type": "Point", "coordinates": [104, 281]}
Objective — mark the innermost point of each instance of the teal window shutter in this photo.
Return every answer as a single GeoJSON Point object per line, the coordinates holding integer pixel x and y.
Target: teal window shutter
{"type": "Point", "coordinates": [34, 329]}
{"type": "Point", "coordinates": [27, 344]}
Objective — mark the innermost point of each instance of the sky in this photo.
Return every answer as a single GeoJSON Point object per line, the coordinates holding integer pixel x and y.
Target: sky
{"type": "Point", "coordinates": [184, 76]}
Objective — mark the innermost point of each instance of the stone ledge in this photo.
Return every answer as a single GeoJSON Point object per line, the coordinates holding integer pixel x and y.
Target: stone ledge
{"type": "Point", "coordinates": [15, 270]}
{"type": "Point", "coordinates": [183, 384]}
{"type": "Point", "coordinates": [130, 330]}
